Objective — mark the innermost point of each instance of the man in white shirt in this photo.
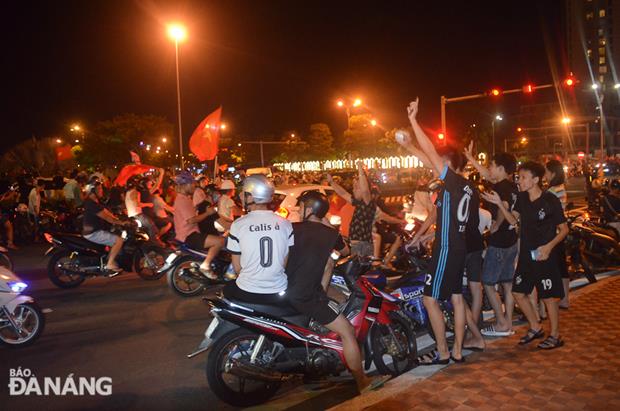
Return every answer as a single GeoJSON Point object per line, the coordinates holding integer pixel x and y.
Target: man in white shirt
{"type": "Point", "coordinates": [259, 243]}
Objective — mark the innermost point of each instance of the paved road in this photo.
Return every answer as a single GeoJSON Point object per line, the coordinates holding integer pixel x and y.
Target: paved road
{"type": "Point", "coordinates": [134, 331]}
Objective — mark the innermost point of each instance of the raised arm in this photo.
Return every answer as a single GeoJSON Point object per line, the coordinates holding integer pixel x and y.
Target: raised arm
{"type": "Point", "coordinates": [469, 154]}
{"type": "Point", "coordinates": [493, 197]}
{"type": "Point", "coordinates": [338, 189]}
{"type": "Point", "coordinates": [425, 143]}
{"type": "Point", "coordinates": [363, 182]}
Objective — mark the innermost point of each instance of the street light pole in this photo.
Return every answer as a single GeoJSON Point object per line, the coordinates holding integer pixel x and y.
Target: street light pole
{"type": "Point", "coordinates": [176, 52]}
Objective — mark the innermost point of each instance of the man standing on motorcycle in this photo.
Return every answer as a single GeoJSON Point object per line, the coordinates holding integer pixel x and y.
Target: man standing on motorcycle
{"type": "Point", "coordinates": [445, 279]}
{"type": "Point", "coordinates": [314, 242]}
{"type": "Point", "coordinates": [95, 224]}
{"type": "Point", "coordinates": [542, 227]}
{"type": "Point", "coordinates": [186, 223]}
{"type": "Point", "coordinates": [259, 243]}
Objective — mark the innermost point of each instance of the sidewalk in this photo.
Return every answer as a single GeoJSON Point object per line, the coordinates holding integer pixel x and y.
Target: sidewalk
{"type": "Point", "coordinates": [583, 374]}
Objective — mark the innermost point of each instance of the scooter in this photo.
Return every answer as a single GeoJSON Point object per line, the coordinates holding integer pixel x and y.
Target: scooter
{"type": "Point", "coordinates": [21, 319]}
{"type": "Point", "coordinates": [184, 275]}
{"type": "Point", "coordinates": [254, 348]}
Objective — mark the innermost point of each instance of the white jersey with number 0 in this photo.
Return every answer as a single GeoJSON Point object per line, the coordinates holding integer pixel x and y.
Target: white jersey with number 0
{"type": "Point", "coordinates": [262, 238]}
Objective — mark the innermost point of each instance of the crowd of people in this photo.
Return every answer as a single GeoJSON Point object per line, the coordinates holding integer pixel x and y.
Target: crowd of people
{"type": "Point", "coordinates": [520, 210]}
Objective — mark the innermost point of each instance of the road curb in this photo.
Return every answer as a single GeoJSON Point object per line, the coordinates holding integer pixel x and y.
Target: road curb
{"type": "Point", "coordinates": [403, 382]}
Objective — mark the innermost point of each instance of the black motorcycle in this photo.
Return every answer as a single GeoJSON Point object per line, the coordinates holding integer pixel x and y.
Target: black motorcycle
{"type": "Point", "coordinates": [74, 258]}
{"type": "Point", "coordinates": [184, 275]}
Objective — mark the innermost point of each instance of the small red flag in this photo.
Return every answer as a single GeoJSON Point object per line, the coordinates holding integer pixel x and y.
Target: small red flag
{"type": "Point", "coordinates": [205, 140]}
{"type": "Point", "coordinates": [64, 153]}
{"type": "Point", "coordinates": [135, 158]}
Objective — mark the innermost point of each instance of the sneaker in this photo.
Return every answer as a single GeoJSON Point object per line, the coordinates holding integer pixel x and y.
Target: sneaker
{"type": "Point", "coordinates": [208, 272]}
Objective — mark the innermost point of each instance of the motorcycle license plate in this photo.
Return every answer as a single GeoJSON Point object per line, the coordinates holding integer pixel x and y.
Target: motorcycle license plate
{"type": "Point", "coordinates": [211, 327]}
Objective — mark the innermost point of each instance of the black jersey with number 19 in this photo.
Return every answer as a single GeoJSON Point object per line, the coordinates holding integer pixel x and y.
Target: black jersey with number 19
{"type": "Point", "coordinates": [449, 247]}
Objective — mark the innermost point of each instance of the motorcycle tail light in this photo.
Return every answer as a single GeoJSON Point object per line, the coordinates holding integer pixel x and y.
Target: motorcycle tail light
{"type": "Point", "coordinates": [48, 237]}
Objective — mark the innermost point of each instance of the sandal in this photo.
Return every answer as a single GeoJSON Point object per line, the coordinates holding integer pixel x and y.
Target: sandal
{"type": "Point", "coordinates": [490, 331]}
{"type": "Point", "coordinates": [531, 336]}
{"type": "Point", "coordinates": [550, 343]}
{"type": "Point", "coordinates": [432, 358]}
{"type": "Point", "coordinates": [457, 360]}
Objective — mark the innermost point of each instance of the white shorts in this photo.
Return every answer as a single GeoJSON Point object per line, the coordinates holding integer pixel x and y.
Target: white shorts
{"type": "Point", "coordinates": [102, 237]}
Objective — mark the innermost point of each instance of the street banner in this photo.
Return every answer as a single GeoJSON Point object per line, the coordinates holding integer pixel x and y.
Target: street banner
{"type": "Point", "coordinates": [204, 142]}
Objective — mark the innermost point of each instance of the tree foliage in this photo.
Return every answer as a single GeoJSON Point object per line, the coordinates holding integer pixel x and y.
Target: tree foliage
{"type": "Point", "coordinates": [361, 138]}
{"type": "Point", "coordinates": [320, 142]}
{"type": "Point", "coordinates": [33, 154]}
{"type": "Point", "coordinates": [110, 141]}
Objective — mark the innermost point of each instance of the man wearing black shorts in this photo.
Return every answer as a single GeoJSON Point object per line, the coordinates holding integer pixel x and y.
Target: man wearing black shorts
{"type": "Point", "coordinates": [306, 272]}
{"type": "Point", "coordinates": [445, 279]}
{"type": "Point", "coordinates": [543, 226]}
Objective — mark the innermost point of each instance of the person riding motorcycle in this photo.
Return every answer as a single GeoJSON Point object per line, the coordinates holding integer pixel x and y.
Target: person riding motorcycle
{"type": "Point", "coordinates": [259, 244]}
{"type": "Point", "coordinates": [308, 279]}
{"type": "Point", "coordinates": [186, 221]}
{"type": "Point", "coordinates": [96, 222]}
{"type": "Point", "coordinates": [135, 206]}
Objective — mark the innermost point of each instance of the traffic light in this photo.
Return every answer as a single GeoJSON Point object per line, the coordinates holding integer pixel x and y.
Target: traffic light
{"type": "Point", "coordinates": [570, 81]}
{"type": "Point", "coordinates": [495, 92]}
{"type": "Point", "coordinates": [528, 89]}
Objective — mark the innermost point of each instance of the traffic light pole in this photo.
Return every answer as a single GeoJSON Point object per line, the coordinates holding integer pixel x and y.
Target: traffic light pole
{"type": "Point", "coordinates": [445, 100]}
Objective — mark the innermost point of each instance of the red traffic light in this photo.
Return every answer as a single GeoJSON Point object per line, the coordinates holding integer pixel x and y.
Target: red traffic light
{"type": "Point", "coordinates": [495, 92]}
{"type": "Point", "coordinates": [441, 136]}
{"type": "Point", "coordinates": [528, 88]}
{"type": "Point", "coordinates": [570, 82]}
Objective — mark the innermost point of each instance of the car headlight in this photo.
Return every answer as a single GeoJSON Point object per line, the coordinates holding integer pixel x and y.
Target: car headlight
{"type": "Point", "coordinates": [17, 286]}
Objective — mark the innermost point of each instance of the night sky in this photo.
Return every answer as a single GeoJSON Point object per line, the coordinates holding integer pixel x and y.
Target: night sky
{"type": "Point", "coordinates": [273, 65]}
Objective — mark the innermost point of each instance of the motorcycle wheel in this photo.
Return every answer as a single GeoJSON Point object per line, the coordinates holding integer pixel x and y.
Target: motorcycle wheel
{"type": "Point", "coordinates": [6, 262]}
{"type": "Point", "coordinates": [382, 342]}
{"type": "Point", "coordinates": [60, 277]}
{"type": "Point", "coordinates": [231, 389]}
{"type": "Point", "coordinates": [185, 286]}
{"type": "Point", "coordinates": [147, 261]}
{"type": "Point", "coordinates": [30, 317]}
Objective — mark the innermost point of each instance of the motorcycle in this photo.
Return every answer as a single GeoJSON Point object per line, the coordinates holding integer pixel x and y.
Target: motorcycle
{"type": "Point", "coordinates": [21, 319]}
{"type": "Point", "coordinates": [253, 348]}
{"type": "Point", "coordinates": [74, 258]}
{"type": "Point", "coordinates": [184, 275]}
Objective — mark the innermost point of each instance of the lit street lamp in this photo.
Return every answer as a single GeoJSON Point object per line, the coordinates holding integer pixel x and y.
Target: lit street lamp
{"type": "Point", "coordinates": [356, 103]}
{"type": "Point", "coordinates": [498, 117]}
{"type": "Point", "coordinates": [566, 120]}
{"type": "Point", "coordinates": [178, 33]}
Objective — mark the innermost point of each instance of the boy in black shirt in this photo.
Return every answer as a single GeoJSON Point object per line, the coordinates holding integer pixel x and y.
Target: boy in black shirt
{"type": "Point", "coordinates": [499, 261]}
{"type": "Point", "coordinates": [445, 279]}
{"type": "Point", "coordinates": [306, 269]}
{"type": "Point", "coordinates": [543, 226]}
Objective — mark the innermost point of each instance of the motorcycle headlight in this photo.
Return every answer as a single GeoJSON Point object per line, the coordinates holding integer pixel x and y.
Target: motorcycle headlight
{"type": "Point", "coordinates": [124, 235]}
{"type": "Point", "coordinates": [17, 286]}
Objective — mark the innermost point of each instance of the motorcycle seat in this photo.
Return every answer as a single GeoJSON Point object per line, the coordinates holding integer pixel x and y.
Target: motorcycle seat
{"type": "Point", "coordinates": [77, 240]}
{"type": "Point", "coordinates": [284, 311]}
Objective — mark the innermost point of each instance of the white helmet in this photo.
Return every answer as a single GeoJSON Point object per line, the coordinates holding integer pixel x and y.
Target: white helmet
{"type": "Point", "coordinates": [259, 187]}
{"type": "Point", "coordinates": [227, 185]}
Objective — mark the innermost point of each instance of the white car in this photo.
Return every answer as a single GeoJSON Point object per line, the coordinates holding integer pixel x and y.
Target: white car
{"type": "Point", "coordinates": [285, 201]}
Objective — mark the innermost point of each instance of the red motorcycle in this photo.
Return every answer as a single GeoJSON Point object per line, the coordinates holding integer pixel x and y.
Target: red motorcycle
{"type": "Point", "coordinates": [256, 347]}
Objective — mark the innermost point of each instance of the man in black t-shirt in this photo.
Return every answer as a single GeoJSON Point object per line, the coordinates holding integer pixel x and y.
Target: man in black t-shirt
{"type": "Point", "coordinates": [308, 278]}
{"type": "Point", "coordinates": [542, 227]}
{"type": "Point", "coordinates": [360, 229]}
{"type": "Point", "coordinates": [499, 261]}
{"type": "Point", "coordinates": [96, 222]}
{"type": "Point", "coordinates": [445, 279]}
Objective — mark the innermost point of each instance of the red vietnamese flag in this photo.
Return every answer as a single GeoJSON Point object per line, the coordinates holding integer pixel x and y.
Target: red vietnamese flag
{"type": "Point", "coordinates": [204, 143]}
{"type": "Point", "coordinates": [64, 153]}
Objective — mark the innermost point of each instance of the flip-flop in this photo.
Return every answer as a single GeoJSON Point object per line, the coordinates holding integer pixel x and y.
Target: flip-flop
{"type": "Point", "coordinates": [477, 349]}
{"type": "Point", "coordinates": [490, 331]}
{"type": "Point", "coordinates": [376, 384]}
{"type": "Point", "coordinates": [435, 359]}
{"type": "Point", "coordinates": [457, 360]}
